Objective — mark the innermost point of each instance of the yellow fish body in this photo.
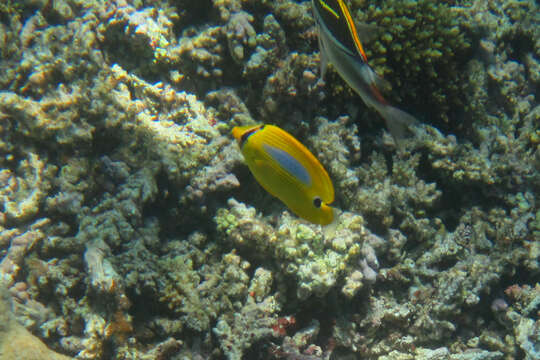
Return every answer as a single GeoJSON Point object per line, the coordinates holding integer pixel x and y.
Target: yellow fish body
{"type": "Point", "coordinates": [339, 44]}
{"type": "Point", "coordinates": [287, 170]}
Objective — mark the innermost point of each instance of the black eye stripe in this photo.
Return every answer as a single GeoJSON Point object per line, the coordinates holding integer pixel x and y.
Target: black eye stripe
{"type": "Point", "coordinates": [317, 202]}
{"type": "Point", "coordinates": [247, 134]}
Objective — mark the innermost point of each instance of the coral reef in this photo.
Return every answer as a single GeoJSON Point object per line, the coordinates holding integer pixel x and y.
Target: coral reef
{"type": "Point", "coordinates": [131, 229]}
{"type": "Point", "coordinates": [319, 259]}
{"type": "Point", "coordinates": [253, 322]}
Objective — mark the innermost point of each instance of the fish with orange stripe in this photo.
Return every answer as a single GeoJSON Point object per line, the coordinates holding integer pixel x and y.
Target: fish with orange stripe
{"type": "Point", "coordinates": [340, 45]}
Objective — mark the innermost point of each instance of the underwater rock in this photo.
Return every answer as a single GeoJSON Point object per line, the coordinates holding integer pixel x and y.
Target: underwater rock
{"type": "Point", "coordinates": [15, 341]}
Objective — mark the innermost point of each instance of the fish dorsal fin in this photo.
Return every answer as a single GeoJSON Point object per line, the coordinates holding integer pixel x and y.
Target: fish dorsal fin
{"type": "Point", "coordinates": [352, 29]}
{"type": "Point", "coordinates": [337, 21]}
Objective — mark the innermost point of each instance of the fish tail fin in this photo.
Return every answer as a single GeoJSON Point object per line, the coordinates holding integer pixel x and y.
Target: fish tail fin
{"type": "Point", "coordinates": [399, 123]}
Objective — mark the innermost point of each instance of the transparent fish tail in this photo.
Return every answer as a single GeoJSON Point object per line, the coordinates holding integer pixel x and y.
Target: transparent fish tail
{"type": "Point", "coordinates": [360, 76]}
{"type": "Point", "coordinates": [399, 123]}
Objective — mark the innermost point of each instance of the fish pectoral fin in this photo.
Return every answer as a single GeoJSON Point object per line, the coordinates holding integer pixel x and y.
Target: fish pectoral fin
{"type": "Point", "coordinates": [331, 228]}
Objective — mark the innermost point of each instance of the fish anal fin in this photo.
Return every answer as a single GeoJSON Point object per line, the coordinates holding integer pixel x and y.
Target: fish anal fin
{"type": "Point", "coordinates": [374, 80]}
{"type": "Point", "coordinates": [323, 57]}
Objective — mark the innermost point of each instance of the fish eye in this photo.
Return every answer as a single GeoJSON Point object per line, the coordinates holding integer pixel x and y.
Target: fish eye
{"type": "Point", "coordinates": [317, 202]}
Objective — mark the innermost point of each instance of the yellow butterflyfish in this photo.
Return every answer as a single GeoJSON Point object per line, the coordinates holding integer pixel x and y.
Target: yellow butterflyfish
{"type": "Point", "coordinates": [287, 170]}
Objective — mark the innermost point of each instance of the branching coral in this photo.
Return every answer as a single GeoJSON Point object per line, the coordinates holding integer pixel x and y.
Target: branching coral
{"type": "Point", "coordinates": [253, 322]}
{"type": "Point", "coordinates": [420, 48]}
{"type": "Point", "coordinates": [200, 296]}
{"type": "Point", "coordinates": [23, 191]}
